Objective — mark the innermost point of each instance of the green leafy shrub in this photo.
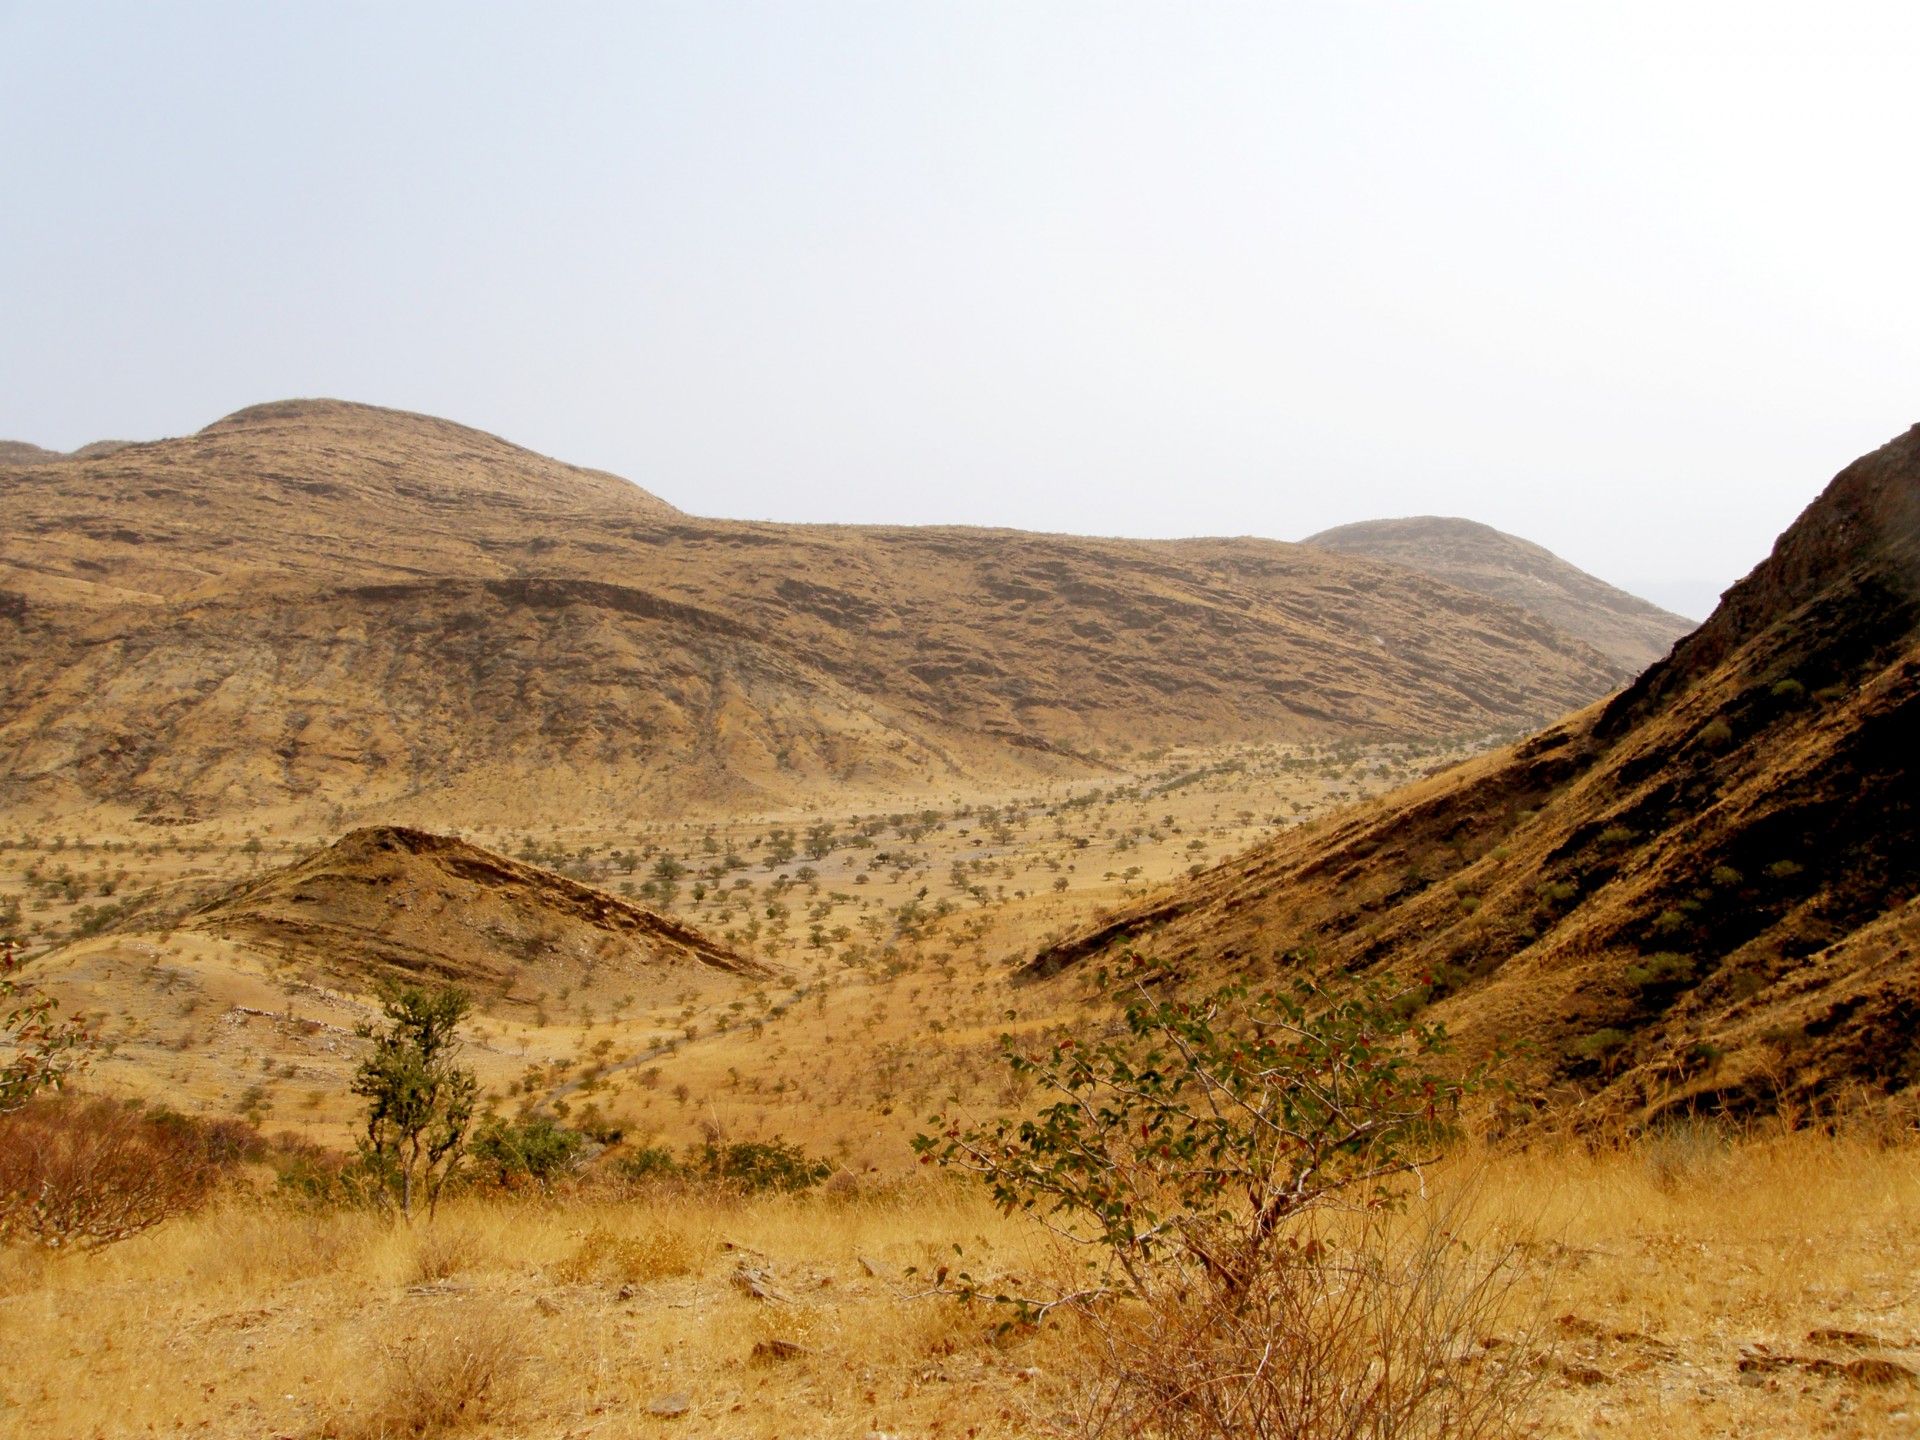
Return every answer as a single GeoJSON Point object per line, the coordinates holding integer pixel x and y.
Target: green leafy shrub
{"type": "Point", "coordinates": [419, 1101]}
{"type": "Point", "coordinates": [748, 1167]}
{"type": "Point", "coordinates": [1603, 1047]}
{"type": "Point", "coordinates": [1665, 968]}
{"type": "Point", "coordinates": [45, 1050]}
{"type": "Point", "coordinates": [521, 1154]}
{"type": "Point", "coordinates": [740, 1167]}
{"type": "Point", "coordinates": [1212, 1123]}
{"type": "Point", "coordinates": [646, 1163]}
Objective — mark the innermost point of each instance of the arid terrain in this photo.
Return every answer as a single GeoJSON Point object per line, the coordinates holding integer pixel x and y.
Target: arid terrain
{"type": "Point", "coordinates": [329, 614]}
{"type": "Point", "coordinates": [764, 833]}
{"type": "Point", "coordinates": [1699, 894]}
{"type": "Point", "coordinates": [1631, 632]}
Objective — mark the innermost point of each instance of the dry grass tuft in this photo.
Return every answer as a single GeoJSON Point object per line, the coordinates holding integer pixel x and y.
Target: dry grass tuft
{"type": "Point", "coordinates": [607, 1258]}
{"type": "Point", "coordinates": [1369, 1326]}
{"type": "Point", "coordinates": [456, 1373]}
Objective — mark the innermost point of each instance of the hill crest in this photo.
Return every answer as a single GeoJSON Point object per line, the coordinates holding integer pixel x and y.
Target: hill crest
{"type": "Point", "coordinates": [1628, 630]}
{"type": "Point", "coordinates": [359, 614]}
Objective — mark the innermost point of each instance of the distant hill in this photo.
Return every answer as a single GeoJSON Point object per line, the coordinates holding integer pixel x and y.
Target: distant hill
{"type": "Point", "coordinates": [1700, 894]}
{"type": "Point", "coordinates": [1631, 632]}
{"type": "Point", "coordinates": [392, 902]}
{"type": "Point", "coordinates": [19, 452]}
{"type": "Point", "coordinates": [352, 613]}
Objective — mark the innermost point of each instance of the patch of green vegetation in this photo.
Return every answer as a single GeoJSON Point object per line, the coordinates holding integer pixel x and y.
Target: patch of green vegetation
{"type": "Point", "coordinates": [1668, 967]}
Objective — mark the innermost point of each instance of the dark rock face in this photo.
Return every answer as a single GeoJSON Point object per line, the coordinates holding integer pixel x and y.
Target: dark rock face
{"type": "Point", "coordinates": [1702, 894]}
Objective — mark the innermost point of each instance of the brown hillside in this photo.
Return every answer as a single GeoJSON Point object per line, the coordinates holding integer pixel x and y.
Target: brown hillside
{"type": "Point", "coordinates": [1701, 893]}
{"type": "Point", "coordinates": [1631, 632]}
{"type": "Point", "coordinates": [388, 901]}
{"type": "Point", "coordinates": [322, 605]}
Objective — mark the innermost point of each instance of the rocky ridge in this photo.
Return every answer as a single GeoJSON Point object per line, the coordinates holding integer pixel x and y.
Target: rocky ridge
{"type": "Point", "coordinates": [1698, 895]}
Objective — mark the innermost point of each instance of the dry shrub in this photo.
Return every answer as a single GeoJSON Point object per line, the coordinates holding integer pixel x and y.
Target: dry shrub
{"type": "Point", "coordinates": [605, 1257]}
{"type": "Point", "coordinates": [441, 1252]}
{"type": "Point", "coordinates": [455, 1372]}
{"type": "Point", "coordinates": [1678, 1154]}
{"type": "Point", "coordinates": [1384, 1327]}
{"type": "Point", "coordinates": [76, 1174]}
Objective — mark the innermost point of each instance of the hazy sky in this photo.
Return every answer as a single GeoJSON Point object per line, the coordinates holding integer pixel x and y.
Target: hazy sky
{"type": "Point", "coordinates": [1631, 280]}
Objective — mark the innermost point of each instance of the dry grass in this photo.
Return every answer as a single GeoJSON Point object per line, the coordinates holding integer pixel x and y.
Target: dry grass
{"type": "Point", "coordinates": [1371, 1325]}
{"type": "Point", "coordinates": [1648, 1276]}
{"type": "Point", "coordinates": [453, 1373]}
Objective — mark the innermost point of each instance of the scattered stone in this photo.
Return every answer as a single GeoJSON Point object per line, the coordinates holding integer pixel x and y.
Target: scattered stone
{"type": "Point", "coordinates": [756, 1283]}
{"type": "Point", "coordinates": [1847, 1339]}
{"type": "Point", "coordinates": [1877, 1372]}
{"type": "Point", "coordinates": [668, 1406]}
{"type": "Point", "coordinates": [769, 1351]}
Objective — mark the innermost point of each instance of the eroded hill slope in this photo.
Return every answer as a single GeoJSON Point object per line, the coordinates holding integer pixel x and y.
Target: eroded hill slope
{"type": "Point", "coordinates": [1631, 632]}
{"type": "Point", "coordinates": [390, 902]}
{"type": "Point", "coordinates": [353, 612]}
{"type": "Point", "coordinates": [1701, 893]}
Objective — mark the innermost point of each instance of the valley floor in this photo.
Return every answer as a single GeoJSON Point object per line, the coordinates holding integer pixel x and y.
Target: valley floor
{"type": "Point", "coordinates": [891, 932]}
{"type": "Point", "coordinates": [1684, 1287]}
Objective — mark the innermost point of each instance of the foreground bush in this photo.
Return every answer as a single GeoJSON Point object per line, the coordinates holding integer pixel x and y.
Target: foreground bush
{"type": "Point", "coordinates": [76, 1174]}
{"type": "Point", "coordinates": [1229, 1167]}
{"type": "Point", "coordinates": [41, 1050]}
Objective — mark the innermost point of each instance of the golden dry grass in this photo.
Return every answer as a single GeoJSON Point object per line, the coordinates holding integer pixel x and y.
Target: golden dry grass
{"type": "Point", "coordinates": [1652, 1273]}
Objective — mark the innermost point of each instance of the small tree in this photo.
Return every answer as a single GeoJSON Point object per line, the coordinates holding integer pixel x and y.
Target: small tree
{"type": "Point", "coordinates": [1213, 1122]}
{"type": "Point", "coordinates": [419, 1102]}
{"type": "Point", "coordinates": [45, 1050]}
{"type": "Point", "coordinates": [1229, 1165]}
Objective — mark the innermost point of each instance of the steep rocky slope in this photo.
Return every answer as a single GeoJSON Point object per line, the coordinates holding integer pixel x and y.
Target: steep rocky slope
{"type": "Point", "coordinates": [1701, 893]}
{"type": "Point", "coordinates": [389, 901]}
{"type": "Point", "coordinates": [1631, 632]}
{"type": "Point", "coordinates": [356, 612]}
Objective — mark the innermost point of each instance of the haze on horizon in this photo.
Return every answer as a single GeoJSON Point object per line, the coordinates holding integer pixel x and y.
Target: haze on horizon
{"type": "Point", "coordinates": [1628, 280]}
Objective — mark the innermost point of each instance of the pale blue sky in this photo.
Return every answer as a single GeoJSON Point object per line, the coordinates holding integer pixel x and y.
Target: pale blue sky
{"type": "Point", "coordinates": [1629, 279]}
